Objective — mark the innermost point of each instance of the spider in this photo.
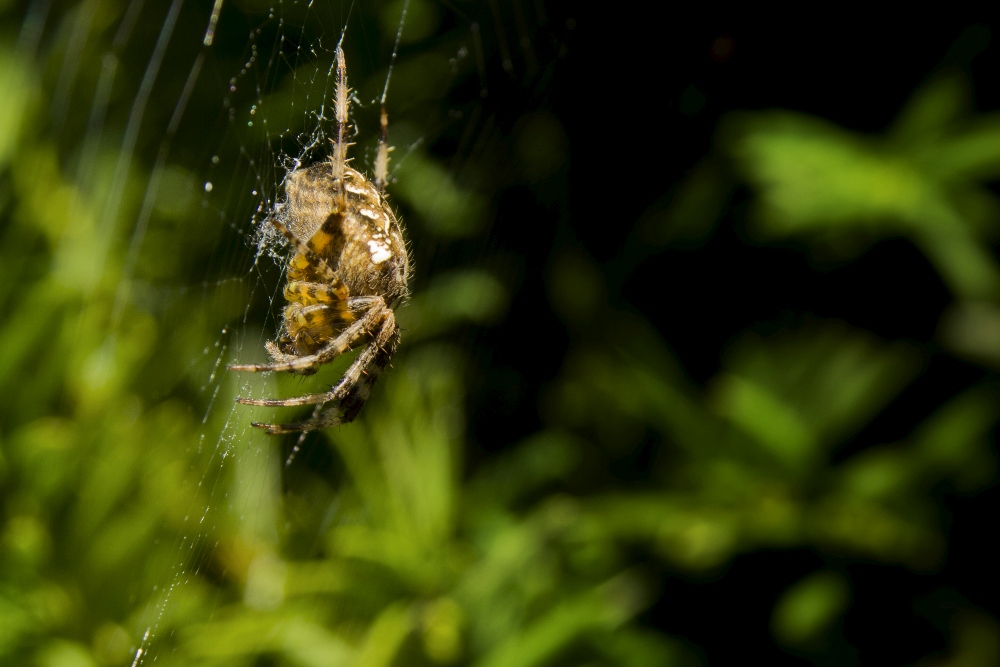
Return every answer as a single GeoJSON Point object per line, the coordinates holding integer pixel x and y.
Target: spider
{"type": "Point", "coordinates": [347, 275]}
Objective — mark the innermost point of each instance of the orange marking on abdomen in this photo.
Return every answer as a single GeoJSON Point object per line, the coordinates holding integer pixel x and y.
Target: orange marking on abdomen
{"type": "Point", "coordinates": [320, 241]}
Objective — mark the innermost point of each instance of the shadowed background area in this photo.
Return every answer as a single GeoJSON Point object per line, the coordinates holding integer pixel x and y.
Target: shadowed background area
{"type": "Point", "coordinates": [700, 363]}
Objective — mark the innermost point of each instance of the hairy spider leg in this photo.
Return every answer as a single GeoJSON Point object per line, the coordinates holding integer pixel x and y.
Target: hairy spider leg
{"type": "Point", "coordinates": [385, 340]}
{"type": "Point", "coordinates": [342, 403]}
{"type": "Point", "coordinates": [337, 392]}
{"type": "Point", "coordinates": [342, 100]}
{"type": "Point", "coordinates": [333, 349]}
{"type": "Point", "coordinates": [276, 353]}
{"type": "Point", "coordinates": [357, 305]}
{"type": "Point", "coordinates": [364, 378]}
{"type": "Point", "coordinates": [382, 157]}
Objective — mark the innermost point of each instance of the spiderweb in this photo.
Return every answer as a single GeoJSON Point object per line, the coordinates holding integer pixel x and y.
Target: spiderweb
{"type": "Point", "coordinates": [278, 117]}
{"type": "Point", "coordinates": [181, 122]}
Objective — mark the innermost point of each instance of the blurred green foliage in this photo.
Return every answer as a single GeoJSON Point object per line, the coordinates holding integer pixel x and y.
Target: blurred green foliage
{"type": "Point", "coordinates": [141, 518]}
{"type": "Point", "coordinates": [924, 180]}
{"type": "Point", "coordinates": [805, 610]}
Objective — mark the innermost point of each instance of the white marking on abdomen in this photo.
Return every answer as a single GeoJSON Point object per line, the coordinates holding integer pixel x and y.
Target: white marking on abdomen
{"type": "Point", "coordinates": [379, 251]}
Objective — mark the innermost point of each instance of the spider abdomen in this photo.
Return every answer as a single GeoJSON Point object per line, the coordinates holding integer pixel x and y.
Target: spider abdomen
{"type": "Point", "coordinates": [352, 228]}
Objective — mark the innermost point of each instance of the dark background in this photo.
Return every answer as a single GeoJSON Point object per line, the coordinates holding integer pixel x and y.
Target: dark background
{"type": "Point", "coordinates": [620, 94]}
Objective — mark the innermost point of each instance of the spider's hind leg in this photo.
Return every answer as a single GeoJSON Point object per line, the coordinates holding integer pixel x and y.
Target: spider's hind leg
{"type": "Point", "coordinates": [358, 385]}
{"type": "Point", "coordinates": [343, 403]}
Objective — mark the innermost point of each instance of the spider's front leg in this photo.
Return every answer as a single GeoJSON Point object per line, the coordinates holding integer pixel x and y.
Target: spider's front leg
{"type": "Point", "coordinates": [331, 350]}
{"type": "Point", "coordinates": [343, 402]}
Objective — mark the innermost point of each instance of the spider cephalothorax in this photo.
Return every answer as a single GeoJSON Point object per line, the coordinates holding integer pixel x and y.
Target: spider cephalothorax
{"type": "Point", "coordinates": [347, 274]}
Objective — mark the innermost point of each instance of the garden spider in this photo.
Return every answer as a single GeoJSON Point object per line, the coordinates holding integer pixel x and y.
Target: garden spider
{"type": "Point", "coordinates": [346, 277]}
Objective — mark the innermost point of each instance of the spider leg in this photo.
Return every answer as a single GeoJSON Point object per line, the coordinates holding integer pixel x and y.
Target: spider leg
{"type": "Point", "coordinates": [339, 345]}
{"type": "Point", "coordinates": [351, 376]}
{"type": "Point", "coordinates": [343, 403]}
{"type": "Point", "coordinates": [276, 353]}
{"type": "Point", "coordinates": [382, 157]}
{"type": "Point", "coordinates": [359, 305]}
{"type": "Point", "coordinates": [342, 97]}
{"type": "Point", "coordinates": [360, 390]}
